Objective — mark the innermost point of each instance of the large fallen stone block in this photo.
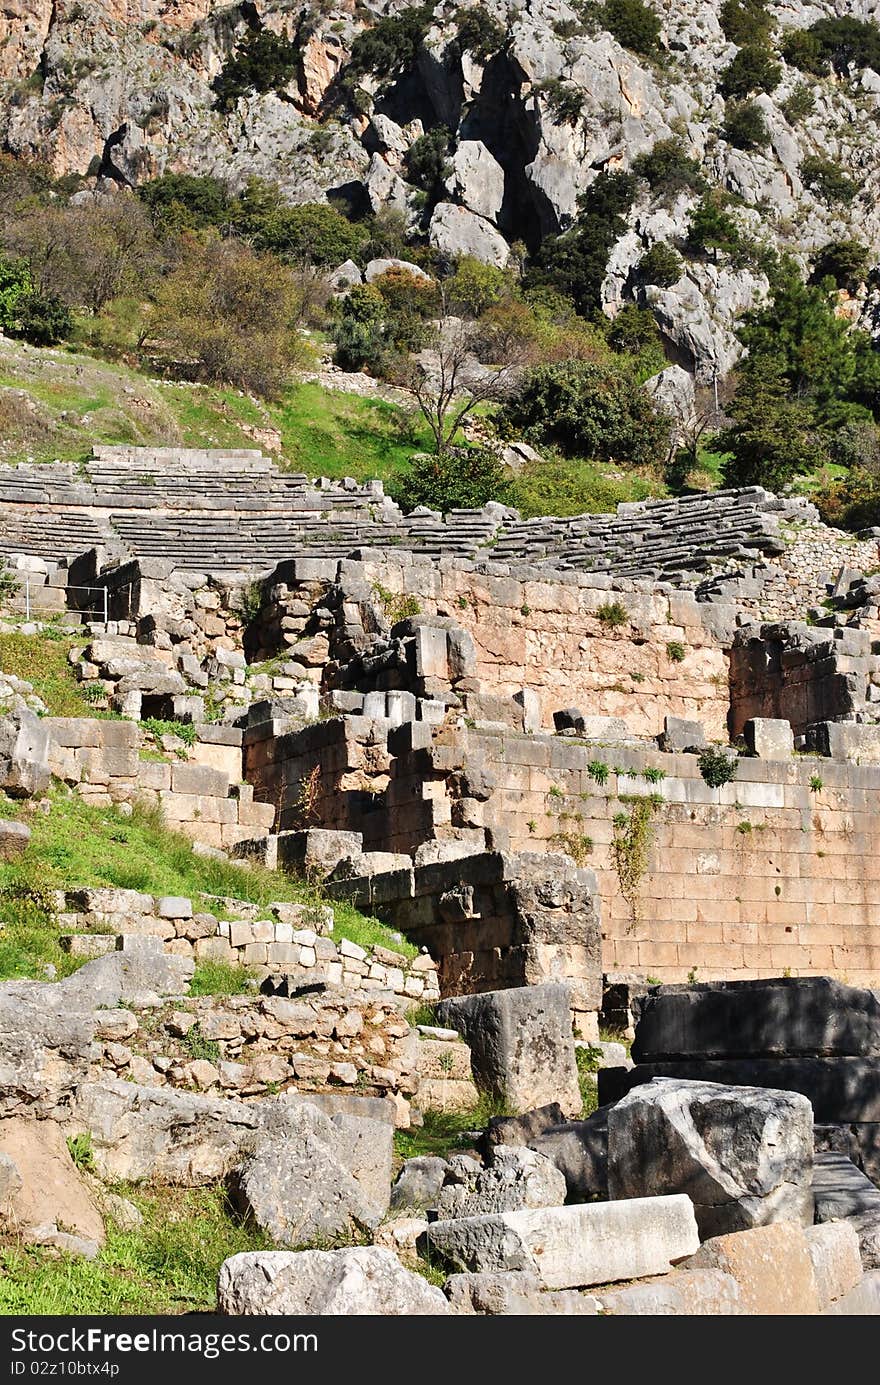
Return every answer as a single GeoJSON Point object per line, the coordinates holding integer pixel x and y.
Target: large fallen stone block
{"type": "Point", "coordinates": [51, 1195]}
{"type": "Point", "coordinates": [861, 1302]}
{"type": "Point", "coordinates": [514, 1294]}
{"type": "Point", "coordinates": [295, 1186]}
{"type": "Point", "coordinates": [44, 1050]}
{"type": "Point", "coordinates": [516, 1178]}
{"type": "Point", "coordinates": [682, 1294]}
{"type": "Point", "coordinates": [834, 1254]}
{"type": "Point", "coordinates": [180, 1137]}
{"type": "Point", "coordinates": [521, 1042]}
{"type": "Point", "coordinates": [24, 754]}
{"type": "Point", "coordinates": [867, 1227]}
{"type": "Point", "coordinates": [840, 1090]}
{"type": "Point", "coordinates": [419, 1183]}
{"type": "Point", "coordinates": [860, 1141]}
{"type": "Point", "coordinates": [364, 1281]}
{"type": "Point", "coordinates": [744, 1155]}
{"type": "Point", "coordinates": [771, 1265]}
{"type": "Point", "coordinates": [573, 1247]}
{"type": "Point", "coordinates": [787, 1016]}
{"type": "Point", "coordinates": [521, 1130]}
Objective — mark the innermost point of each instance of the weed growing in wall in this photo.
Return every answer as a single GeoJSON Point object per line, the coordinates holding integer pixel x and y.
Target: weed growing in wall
{"type": "Point", "coordinates": [598, 770]}
{"type": "Point", "coordinates": [630, 849]}
{"type": "Point", "coordinates": [613, 614]}
{"type": "Point", "coordinates": [717, 767]}
{"type": "Point", "coordinates": [676, 651]}
{"type": "Point", "coordinates": [396, 605]}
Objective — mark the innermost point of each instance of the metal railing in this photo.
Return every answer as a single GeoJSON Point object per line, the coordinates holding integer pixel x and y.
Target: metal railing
{"type": "Point", "coordinates": [100, 611]}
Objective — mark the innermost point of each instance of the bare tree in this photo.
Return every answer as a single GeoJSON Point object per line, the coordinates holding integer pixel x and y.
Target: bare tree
{"type": "Point", "coordinates": [448, 382]}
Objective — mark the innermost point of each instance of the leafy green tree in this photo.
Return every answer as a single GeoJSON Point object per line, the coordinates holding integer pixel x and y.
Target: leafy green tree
{"type": "Point", "coordinates": [753, 68]}
{"type": "Point", "coordinates": [746, 21]}
{"type": "Point", "coordinates": [773, 437]}
{"type": "Point", "coordinates": [476, 287]}
{"type": "Point", "coordinates": [389, 48]}
{"type": "Point", "coordinates": [458, 478]}
{"type": "Point", "coordinates": [575, 262]}
{"type": "Point", "coordinates": [828, 180]}
{"type": "Point", "coordinates": [39, 318]}
{"type": "Point", "coordinates": [312, 231]}
{"type": "Point", "coordinates": [426, 159]}
{"type": "Point", "coordinates": [182, 201]}
{"type": "Point", "coordinates": [261, 62]}
{"type": "Point", "coordinates": [478, 33]}
{"type": "Point", "coordinates": [847, 262]}
{"type": "Point", "coordinates": [634, 333]}
{"type": "Point", "coordinates": [837, 44]}
{"type": "Point", "coordinates": [668, 168]}
{"type": "Point", "coordinates": [745, 126]}
{"type": "Point", "coordinates": [711, 228]}
{"type": "Point", "coordinates": [15, 285]}
{"type": "Point", "coordinates": [634, 24]}
{"type": "Point", "coordinates": [660, 265]}
{"type": "Point", "coordinates": [799, 105]}
{"type": "Point", "coordinates": [566, 101]}
{"type": "Point", "coordinates": [589, 409]}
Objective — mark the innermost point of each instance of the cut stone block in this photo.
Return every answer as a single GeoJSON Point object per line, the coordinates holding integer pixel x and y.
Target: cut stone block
{"type": "Point", "coordinates": [573, 1247]}
{"type": "Point", "coordinates": [361, 1281]}
{"type": "Point", "coordinates": [769, 738]}
{"type": "Point", "coordinates": [771, 1265]}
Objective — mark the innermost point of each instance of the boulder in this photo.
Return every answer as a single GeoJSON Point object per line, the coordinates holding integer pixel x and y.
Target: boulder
{"type": "Point", "coordinates": [680, 734]}
{"type": "Point", "coordinates": [362, 1281]}
{"type": "Point", "coordinates": [790, 1016]}
{"type": "Point", "coordinates": [45, 1049]}
{"type": "Point", "coordinates": [476, 179]}
{"type": "Point", "coordinates": [771, 1265]}
{"type": "Point", "coordinates": [419, 1183]}
{"type": "Point", "coordinates": [515, 1293]}
{"type": "Point", "coordinates": [682, 1294]}
{"type": "Point", "coordinates": [573, 1247]}
{"type": "Point", "coordinates": [49, 1194]}
{"type": "Point", "coordinates": [295, 1186]}
{"type": "Point", "coordinates": [24, 754]}
{"type": "Point", "coordinates": [456, 231]}
{"type": "Point", "coordinates": [522, 1048]}
{"type": "Point", "coordinates": [516, 1178]}
{"type": "Point", "coordinates": [744, 1155]}
{"type": "Point", "coordinates": [673, 392]}
{"type": "Point", "coordinates": [376, 268]}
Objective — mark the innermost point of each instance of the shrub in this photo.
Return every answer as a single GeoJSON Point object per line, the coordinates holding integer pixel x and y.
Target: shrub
{"type": "Point", "coordinates": [745, 21]}
{"type": "Point", "coordinates": [660, 265]}
{"type": "Point", "coordinates": [634, 24]}
{"type": "Point", "coordinates": [772, 437]}
{"type": "Point", "coordinates": [827, 179]}
{"type": "Point", "coordinates": [590, 410]}
{"type": "Point", "coordinates": [426, 159]}
{"type": "Point", "coordinates": [475, 286]}
{"type": "Point", "coordinates": [478, 33]}
{"type": "Point", "coordinates": [799, 105]}
{"type": "Point", "coordinates": [613, 614]}
{"type": "Point", "coordinates": [847, 262]}
{"type": "Point", "coordinates": [459, 478]}
{"type": "Point", "coordinates": [669, 168]}
{"type": "Point", "coordinates": [43, 319]}
{"type": "Point", "coordinates": [711, 228]}
{"type": "Point", "coordinates": [753, 68]}
{"type": "Point", "coordinates": [566, 102]}
{"type": "Point", "coordinates": [187, 200]}
{"type": "Point", "coordinates": [312, 231]}
{"type": "Point", "coordinates": [261, 62]}
{"type": "Point", "coordinates": [745, 126]}
{"type": "Point", "coordinates": [634, 332]}
{"type": "Point", "coordinates": [717, 767]}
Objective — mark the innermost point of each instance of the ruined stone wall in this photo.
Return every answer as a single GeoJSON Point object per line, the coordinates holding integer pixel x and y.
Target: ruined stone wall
{"type": "Point", "coordinates": [546, 633]}
{"type": "Point", "coordinates": [778, 869]}
{"type": "Point", "coordinates": [202, 797]}
{"type": "Point", "coordinates": [803, 674]}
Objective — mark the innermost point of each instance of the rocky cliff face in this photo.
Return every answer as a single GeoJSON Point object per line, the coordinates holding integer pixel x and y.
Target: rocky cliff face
{"type": "Point", "coordinates": [123, 92]}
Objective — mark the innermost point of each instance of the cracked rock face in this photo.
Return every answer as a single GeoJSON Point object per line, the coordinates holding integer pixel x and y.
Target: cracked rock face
{"type": "Point", "coordinates": [743, 1155]}
{"type": "Point", "coordinates": [125, 94]}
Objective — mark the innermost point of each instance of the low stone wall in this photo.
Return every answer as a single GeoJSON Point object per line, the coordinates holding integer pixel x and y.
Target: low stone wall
{"type": "Point", "coordinates": [280, 939]}
{"type": "Point", "coordinates": [101, 760]}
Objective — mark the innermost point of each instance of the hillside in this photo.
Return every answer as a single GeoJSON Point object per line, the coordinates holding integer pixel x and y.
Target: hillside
{"type": "Point", "coordinates": [527, 105]}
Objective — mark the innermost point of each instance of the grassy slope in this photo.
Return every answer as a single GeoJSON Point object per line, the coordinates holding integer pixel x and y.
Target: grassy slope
{"type": "Point", "coordinates": [44, 663]}
{"type": "Point", "coordinates": [167, 1265]}
{"type": "Point", "coordinates": [73, 400]}
{"type": "Point", "coordinates": [78, 844]}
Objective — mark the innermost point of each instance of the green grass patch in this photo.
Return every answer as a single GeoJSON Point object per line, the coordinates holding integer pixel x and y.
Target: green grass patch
{"type": "Point", "coordinates": [167, 1265]}
{"type": "Point", "coordinates": [220, 978]}
{"type": "Point", "coordinates": [80, 844]}
{"type": "Point", "coordinates": [444, 1132]}
{"type": "Point", "coordinates": [42, 661]}
{"type": "Point", "coordinates": [331, 433]}
{"type": "Point", "coordinates": [558, 486]}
